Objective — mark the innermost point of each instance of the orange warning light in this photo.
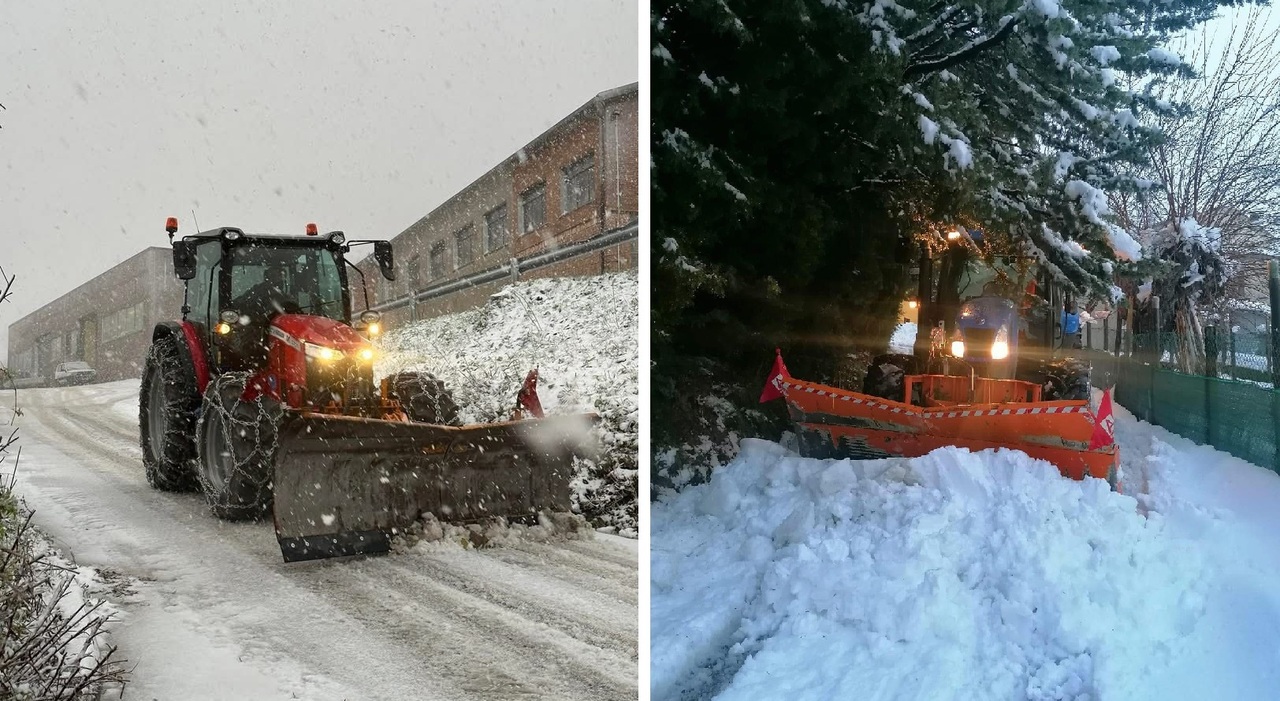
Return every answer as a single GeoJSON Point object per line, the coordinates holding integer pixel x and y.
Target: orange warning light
{"type": "Point", "coordinates": [171, 225]}
{"type": "Point", "coordinates": [312, 230]}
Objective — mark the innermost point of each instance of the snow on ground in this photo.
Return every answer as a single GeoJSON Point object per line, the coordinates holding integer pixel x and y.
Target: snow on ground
{"type": "Point", "coordinates": [970, 576]}
{"type": "Point", "coordinates": [583, 336]}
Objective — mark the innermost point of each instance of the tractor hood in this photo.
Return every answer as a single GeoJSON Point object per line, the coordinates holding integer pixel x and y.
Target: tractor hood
{"type": "Point", "coordinates": [986, 313]}
{"type": "Point", "coordinates": [298, 329]}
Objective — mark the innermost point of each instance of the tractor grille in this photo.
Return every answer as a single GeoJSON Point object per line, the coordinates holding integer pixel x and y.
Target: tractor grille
{"type": "Point", "coordinates": [347, 383]}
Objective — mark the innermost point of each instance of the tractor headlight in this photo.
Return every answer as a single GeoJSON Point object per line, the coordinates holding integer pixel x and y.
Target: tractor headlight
{"type": "Point", "coordinates": [338, 237]}
{"type": "Point", "coordinates": [229, 316]}
{"type": "Point", "coordinates": [957, 349]}
{"type": "Point", "coordinates": [366, 354]}
{"type": "Point", "coordinates": [373, 328]}
{"type": "Point", "coordinates": [323, 352]}
{"type": "Point", "coordinates": [1000, 348]}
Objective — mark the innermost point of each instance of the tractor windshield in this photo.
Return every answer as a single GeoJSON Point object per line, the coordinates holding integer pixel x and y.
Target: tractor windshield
{"type": "Point", "coordinates": [290, 279]}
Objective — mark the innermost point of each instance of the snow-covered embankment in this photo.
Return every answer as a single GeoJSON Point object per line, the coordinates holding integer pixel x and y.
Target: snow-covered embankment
{"type": "Point", "coordinates": [583, 336]}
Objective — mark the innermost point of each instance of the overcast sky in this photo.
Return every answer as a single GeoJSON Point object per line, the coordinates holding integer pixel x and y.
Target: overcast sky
{"type": "Point", "coordinates": [358, 116]}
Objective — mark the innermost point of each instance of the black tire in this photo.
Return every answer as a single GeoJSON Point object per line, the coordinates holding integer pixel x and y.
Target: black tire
{"type": "Point", "coordinates": [424, 398]}
{"type": "Point", "coordinates": [1067, 378]}
{"type": "Point", "coordinates": [167, 404]}
{"type": "Point", "coordinates": [237, 448]}
{"type": "Point", "coordinates": [886, 378]}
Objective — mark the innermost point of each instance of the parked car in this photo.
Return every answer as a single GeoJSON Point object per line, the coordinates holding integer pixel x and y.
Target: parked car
{"type": "Point", "coordinates": [74, 372]}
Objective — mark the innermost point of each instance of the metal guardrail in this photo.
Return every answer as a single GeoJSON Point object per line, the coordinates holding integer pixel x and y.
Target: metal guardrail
{"type": "Point", "coordinates": [515, 267]}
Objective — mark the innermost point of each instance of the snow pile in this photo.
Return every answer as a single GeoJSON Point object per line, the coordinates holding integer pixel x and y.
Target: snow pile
{"type": "Point", "coordinates": [582, 334]}
{"type": "Point", "coordinates": [952, 576]}
{"type": "Point", "coordinates": [903, 339]}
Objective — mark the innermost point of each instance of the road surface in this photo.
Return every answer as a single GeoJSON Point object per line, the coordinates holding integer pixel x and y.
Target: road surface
{"type": "Point", "coordinates": [209, 611]}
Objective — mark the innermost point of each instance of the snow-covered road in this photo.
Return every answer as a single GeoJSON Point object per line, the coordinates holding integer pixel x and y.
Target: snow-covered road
{"type": "Point", "coordinates": [211, 612]}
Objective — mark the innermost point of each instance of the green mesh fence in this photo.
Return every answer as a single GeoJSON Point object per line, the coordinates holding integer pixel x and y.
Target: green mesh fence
{"type": "Point", "coordinates": [1239, 417]}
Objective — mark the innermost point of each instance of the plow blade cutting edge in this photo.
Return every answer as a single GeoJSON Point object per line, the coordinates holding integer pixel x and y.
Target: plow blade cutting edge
{"type": "Point", "coordinates": [346, 485]}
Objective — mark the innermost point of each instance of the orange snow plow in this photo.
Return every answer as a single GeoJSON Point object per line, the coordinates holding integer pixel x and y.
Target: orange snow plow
{"type": "Point", "coordinates": [837, 423]}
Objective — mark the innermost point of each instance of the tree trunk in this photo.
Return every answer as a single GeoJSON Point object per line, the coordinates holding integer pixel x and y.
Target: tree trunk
{"type": "Point", "coordinates": [1190, 350]}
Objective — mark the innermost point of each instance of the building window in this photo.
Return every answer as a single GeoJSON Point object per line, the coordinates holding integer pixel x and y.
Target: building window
{"type": "Point", "coordinates": [578, 184]}
{"type": "Point", "coordinates": [123, 322]}
{"type": "Point", "coordinates": [533, 208]}
{"type": "Point", "coordinates": [465, 246]}
{"type": "Point", "coordinates": [437, 260]}
{"type": "Point", "coordinates": [495, 229]}
{"type": "Point", "coordinates": [415, 274]}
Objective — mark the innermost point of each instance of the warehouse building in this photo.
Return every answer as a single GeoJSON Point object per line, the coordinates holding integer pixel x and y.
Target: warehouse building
{"type": "Point", "coordinates": [105, 322]}
{"type": "Point", "coordinates": [567, 203]}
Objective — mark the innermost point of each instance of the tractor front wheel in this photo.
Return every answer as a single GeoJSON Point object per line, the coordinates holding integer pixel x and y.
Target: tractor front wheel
{"type": "Point", "coordinates": [1066, 378]}
{"type": "Point", "coordinates": [237, 442]}
{"type": "Point", "coordinates": [167, 406]}
{"type": "Point", "coordinates": [424, 398]}
{"type": "Point", "coordinates": [886, 378]}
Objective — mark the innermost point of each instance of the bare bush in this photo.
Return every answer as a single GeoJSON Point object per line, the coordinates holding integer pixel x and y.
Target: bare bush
{"type": "Point", "coordinates": [53, 646]}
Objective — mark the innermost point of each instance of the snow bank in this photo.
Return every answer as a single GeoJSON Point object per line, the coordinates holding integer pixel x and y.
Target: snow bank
{"type": "Point", "coordinates": [952, 576]}
{"type": "Point", "coordinates": [583, 336]}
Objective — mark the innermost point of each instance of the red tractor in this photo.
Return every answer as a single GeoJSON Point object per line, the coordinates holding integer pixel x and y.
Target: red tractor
{"type": "Point", "coordinates": [263, 397]}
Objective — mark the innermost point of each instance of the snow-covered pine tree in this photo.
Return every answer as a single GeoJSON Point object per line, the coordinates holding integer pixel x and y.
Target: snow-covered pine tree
{"type": "Point", "coordinates": [1022, 101]}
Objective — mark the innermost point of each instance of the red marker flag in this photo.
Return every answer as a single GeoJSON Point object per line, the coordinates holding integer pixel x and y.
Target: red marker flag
{"type": "Point", "coordinates": [1104, 425]}
{"type": "Point", "coordinates": [528, 397]}
{"type": "Point", "coordinates": [779, 371]}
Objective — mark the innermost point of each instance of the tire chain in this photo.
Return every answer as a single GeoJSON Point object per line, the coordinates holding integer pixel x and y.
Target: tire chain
{"type": "Point", "coordinates": [171, 374]}
{"type": "Point", "coordinates": [431, 390]}
{"type": "Point", "coordinates": [250, 441]}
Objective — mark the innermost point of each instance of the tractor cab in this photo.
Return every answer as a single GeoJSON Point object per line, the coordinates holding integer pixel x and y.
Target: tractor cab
{"type": "Point", "coordinates": [237, 284]}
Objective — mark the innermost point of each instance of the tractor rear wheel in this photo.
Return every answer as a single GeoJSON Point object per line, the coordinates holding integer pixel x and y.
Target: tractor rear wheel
{"type": "Point", "coordinates": [1067, 378]}
{"type": "Point", "coordinates": [237, 441]}
{"type": "Point", "coordinates": [167, 404]}
{"type": "Point", "coordinates": [886, 378]}
{"type": "Point", "coordinates": [424, 398]}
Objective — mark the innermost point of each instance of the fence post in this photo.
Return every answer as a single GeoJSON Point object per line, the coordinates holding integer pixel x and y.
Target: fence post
{"type": "Point", "coordinates": [1273, 270]}
{"type": "Point", "coordinates": [1128, 322]}
{"type": "Point", "coordinates": [1211, 370]}
{"type": "Point", "coordinates": [1155, 305]}
{"type": "Point", "coordinates": [1155, 362]}
{"type": "Point", "coordinates": [1211, 351]}
{"type": "Point", "coordinates": [1088, 335]}
{"type": "Point", "coordinates": [1105, 321]}
{"type": "Point", "coordinates": [1231, 329]}
{"type": "Point", "coordinates": [1273, 277]}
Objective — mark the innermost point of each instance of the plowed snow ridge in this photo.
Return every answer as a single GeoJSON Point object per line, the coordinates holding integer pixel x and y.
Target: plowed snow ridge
{"type": "Point", "coordinates": [969, 576]}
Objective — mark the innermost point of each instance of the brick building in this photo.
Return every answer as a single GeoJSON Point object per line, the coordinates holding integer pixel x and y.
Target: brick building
{"type": "Point", "coordinates": [565, 204]}
{"type": "Point", "coordinates": [105, 322]}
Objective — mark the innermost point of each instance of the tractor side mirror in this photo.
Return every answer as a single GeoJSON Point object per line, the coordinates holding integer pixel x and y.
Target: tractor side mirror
{"type": "Point", "coordinates": [184, 259]}
{"type": "Point", "coordinates": [386, 260]}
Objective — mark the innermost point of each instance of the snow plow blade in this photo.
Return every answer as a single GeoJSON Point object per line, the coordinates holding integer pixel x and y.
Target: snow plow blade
{"type": "Point", "coordinates": [346, 485]}
{"type": "Point", "coordinates": [836, 423]}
